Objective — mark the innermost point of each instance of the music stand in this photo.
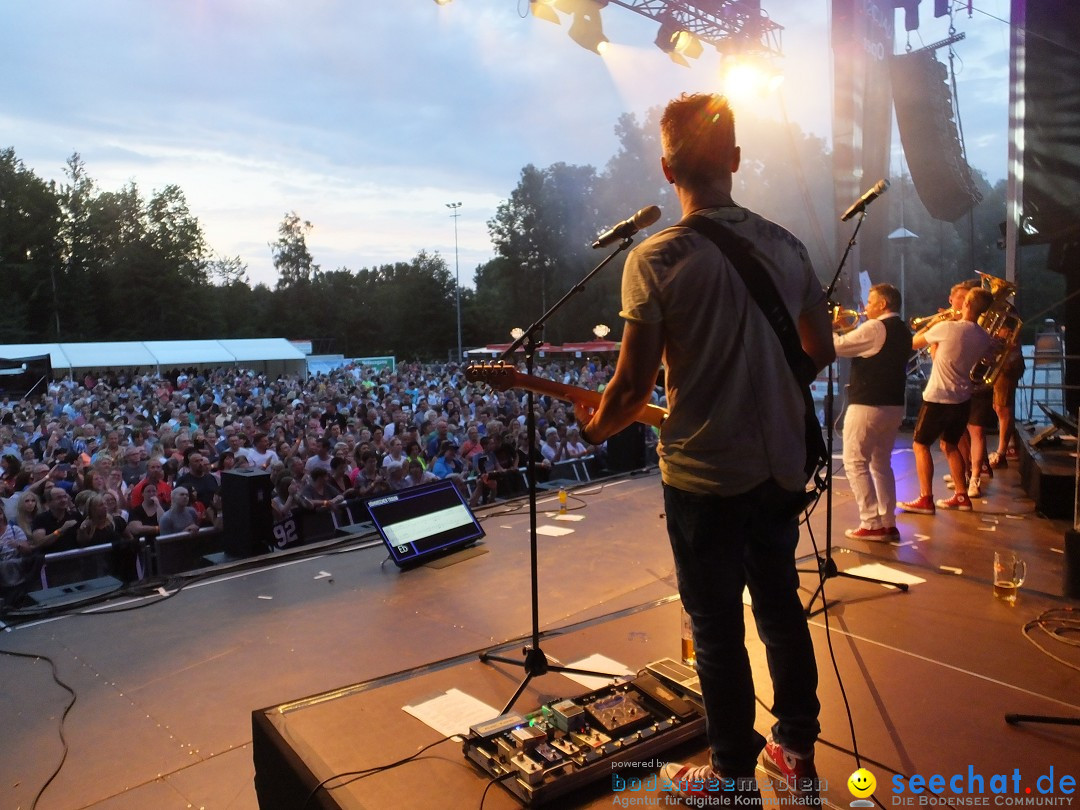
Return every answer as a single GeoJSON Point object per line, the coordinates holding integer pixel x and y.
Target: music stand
{"type": "Point", "coordinates": [535, 662]}
{"type": "Point", "coordinates": [826, 566]}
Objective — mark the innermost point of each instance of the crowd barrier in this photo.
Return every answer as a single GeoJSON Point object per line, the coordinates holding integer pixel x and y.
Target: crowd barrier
{"type": "Point", "coordinates": [183, 552]}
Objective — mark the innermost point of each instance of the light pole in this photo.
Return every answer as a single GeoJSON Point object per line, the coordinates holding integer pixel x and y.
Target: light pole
{"type": "Point", "coordinates": [903, 236]}
{"type": "Point", "coordinates": [454, 207]}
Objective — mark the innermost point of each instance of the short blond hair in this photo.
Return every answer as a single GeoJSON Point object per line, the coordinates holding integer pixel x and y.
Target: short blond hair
{"type": "Point", "coordinates": [698, 134]}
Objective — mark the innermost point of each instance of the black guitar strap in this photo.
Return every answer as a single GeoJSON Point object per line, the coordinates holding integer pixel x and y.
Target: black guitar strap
{"type": "Point", "coordinates": [764, 292]}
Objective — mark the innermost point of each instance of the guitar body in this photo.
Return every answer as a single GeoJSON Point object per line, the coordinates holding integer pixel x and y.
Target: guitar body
{"type": "Point", "coordinates": [502, 377]}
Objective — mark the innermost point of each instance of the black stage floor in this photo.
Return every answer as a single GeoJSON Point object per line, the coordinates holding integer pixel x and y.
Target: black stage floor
{"type": "Point", "coordinates": [166, 688]}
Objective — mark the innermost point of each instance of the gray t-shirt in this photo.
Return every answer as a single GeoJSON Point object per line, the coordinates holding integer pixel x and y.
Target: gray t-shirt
{"type": "Point", "coordinates": [177, 520]}
{"type": "Point", "coordinates": [736, 411]}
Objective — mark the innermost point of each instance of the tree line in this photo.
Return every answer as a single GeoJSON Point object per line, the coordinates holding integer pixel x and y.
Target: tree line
{"type": "Point", "coordinates": [79, 263]}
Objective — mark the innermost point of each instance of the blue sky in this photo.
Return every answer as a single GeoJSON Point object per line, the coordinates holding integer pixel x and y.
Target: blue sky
{"type": "Point", "coordinates": [367, 117]}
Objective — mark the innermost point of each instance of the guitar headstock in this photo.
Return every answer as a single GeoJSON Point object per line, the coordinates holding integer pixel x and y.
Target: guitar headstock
{"type": "Point", "coordinates": [500, 376]}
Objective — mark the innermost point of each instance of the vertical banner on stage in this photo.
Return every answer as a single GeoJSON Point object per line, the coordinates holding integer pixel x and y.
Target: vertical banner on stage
{"type": "Point", "coordinates": [862, 41]}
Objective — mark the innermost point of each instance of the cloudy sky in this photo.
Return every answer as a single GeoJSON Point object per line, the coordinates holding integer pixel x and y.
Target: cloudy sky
{"type": "Point", "coordinates": [367, 117]}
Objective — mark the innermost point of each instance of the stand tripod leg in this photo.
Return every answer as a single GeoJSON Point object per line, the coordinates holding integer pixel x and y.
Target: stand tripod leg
{"type": "Point", "coordinates": [827, 570]}
{"type": "Point", "coordinates": [1013, 719]}
{"type": "Point", "coordinates": [536, 663]}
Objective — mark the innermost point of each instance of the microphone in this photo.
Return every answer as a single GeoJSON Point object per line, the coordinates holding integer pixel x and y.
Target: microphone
{"type": "Point", "coordinates": [627, 228]}
{"type": "Point", "coordinates": [880, 187]}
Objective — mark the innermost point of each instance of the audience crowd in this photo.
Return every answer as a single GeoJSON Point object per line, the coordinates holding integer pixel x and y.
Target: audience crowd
{"type": "Point", "coordinates": [116, 456]}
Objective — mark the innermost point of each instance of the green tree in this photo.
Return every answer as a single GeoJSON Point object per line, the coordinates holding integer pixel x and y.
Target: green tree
{"type": "Point", "coordinates": [174, 234]}
{"type": "Point", "coordinates": [29, 251]}
{"type": "Point", "coordinates": [120, 266]}
{"type": "Point", "coordinates": [542, 235]}
{"type": "Point", "coordinates": [227, 271]}
{"type": "Point", "coordinates": [292, 259]}
{"type": "Point", "coordinates": [413, 308]}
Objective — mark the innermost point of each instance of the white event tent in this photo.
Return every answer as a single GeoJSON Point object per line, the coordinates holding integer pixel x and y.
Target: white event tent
{"type": "Point", "coordinates": [272, 356]}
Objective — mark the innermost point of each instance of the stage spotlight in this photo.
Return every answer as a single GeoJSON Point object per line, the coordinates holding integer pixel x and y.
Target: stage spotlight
{"type": "Point", "coordinates": [587, 30]}
{"type": "Point", "coordinates": [678, 43]}
{"type": "Point", "coordinates": [544, 10]}
{"type": "Point", "coordinates": [443, 2]}
{"type": "Point", "coordinates": [665, 37]}
{"type": "Point", "coordinates": [687, 44]}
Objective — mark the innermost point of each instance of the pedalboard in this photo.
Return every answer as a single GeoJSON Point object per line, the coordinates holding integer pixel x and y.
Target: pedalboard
{"type": "Point", "coordinates": [566, 744]}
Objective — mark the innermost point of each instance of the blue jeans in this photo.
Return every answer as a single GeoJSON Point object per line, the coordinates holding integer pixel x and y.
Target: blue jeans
{"type": "Point", "coordinates": [722, 544]}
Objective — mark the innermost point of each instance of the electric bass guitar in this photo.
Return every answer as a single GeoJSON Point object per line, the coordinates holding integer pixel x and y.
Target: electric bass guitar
{"type": "Point", "coordinates": [502, 376]}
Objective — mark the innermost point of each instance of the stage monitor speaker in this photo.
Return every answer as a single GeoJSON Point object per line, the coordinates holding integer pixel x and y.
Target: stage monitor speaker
{"type": "Point", "coordinates": [247, 520]}
{"type": "Point", "coordinates": [1071, 585]}
{"type": "Point", "coordinates": [924, 116]}
{"type": "Point", "coordinates": [626, 449]}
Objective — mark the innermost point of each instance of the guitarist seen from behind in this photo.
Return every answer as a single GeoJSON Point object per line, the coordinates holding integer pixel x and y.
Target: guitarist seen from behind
{"type": "Point", "coordinates": [731, 450]}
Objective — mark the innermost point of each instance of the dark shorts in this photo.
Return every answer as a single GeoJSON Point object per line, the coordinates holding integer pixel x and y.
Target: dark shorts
{"type": "Point", "coordinates": [940, 420]}
{"type": "Point", "coordinates": [982, 409]}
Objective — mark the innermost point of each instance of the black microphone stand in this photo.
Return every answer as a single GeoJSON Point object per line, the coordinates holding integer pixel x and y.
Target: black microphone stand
{"type": "Point", "coordinates": [535, 662]}
{"type": "Point", "coordinates": [826, 566]}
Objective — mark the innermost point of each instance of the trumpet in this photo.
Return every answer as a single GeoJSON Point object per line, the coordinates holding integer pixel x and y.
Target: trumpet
{"type": "Point", "coordinates": [844, 320]}
{"type": "Point", "coordinates": [929, 320]}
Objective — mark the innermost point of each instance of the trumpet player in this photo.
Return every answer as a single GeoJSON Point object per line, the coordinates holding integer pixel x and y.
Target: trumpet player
{"type": "Point", "coordinates": [879, 349]}
{"type": "Point", "coordinates": [955, 346]}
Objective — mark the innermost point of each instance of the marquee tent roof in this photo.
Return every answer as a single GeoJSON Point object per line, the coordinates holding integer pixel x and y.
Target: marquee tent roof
{"type": "Point", "coordinates": [588, 347]}
{"type": "Point", "coordinates": [157, 353]}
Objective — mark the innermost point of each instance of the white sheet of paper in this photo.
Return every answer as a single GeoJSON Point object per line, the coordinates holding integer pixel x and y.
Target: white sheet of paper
{"type": "Point", "coordinates": [597, 663]}
{"type": "Point", "coordinates": [451, 712]}
{"type": "Point", "coordinates": [879, 571]}
{"type": "Point", "coordinates": [553, 531]}
{"type": "Point", "coordinates": [570, 518]}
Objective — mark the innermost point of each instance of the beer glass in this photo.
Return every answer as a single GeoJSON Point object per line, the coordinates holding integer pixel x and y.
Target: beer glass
{"type": "Point", "coordinates": [688, 656]}
{"type": "Point", "coordinates": [1009, 574]}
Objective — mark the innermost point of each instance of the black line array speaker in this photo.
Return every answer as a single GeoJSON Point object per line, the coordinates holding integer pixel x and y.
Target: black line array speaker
{"type": "Point", "coordinates": [247, 520]}
{"type": "Point", "coordinates": [924, 116]}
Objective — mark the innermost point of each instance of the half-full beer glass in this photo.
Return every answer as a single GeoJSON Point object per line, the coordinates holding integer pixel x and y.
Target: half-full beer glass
{"type": "Point", "coordinates": [1009, 574]}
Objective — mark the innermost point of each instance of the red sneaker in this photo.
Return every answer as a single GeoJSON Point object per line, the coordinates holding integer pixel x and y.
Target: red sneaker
{"type": "Point", "coordinates": [960, 502]}
{"type": "Point", "coordinates": [701, 786]}
{"type": "Point", "coordinates": [798, 776]}
{"type": "Point", "coordinates": [881, 535]}
{"type": "Point", "coordinates": [923, 505]}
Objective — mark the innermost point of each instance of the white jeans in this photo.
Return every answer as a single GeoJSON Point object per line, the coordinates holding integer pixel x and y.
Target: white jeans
{"type": "Point", "coordinates": [869, 434]}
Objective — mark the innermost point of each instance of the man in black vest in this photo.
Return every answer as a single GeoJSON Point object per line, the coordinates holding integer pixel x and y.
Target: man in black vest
{"type": "Point", "coordinates": [879, 349]}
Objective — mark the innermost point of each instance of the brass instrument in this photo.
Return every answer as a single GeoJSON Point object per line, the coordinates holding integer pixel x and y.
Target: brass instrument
{"type": "Point", "coordinates": [927, 321]}
{"type": "Point", "coordinates": [1002, 323]}
{"type": "Point", "coordinates": [919, 359]}
{"type": "Point", "coordinates": [844, 320]}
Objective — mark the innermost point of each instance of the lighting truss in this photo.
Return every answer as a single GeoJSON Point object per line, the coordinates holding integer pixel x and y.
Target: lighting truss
{"type": "Point", "coordinates": [726, 24]}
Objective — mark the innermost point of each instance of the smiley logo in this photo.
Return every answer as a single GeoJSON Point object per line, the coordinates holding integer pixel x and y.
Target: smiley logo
{"type": "Point", "coordinates": [862, 784]}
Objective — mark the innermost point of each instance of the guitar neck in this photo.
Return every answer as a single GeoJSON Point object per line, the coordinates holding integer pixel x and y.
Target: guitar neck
{"type": "Point", "coordinates": [649, 415]}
